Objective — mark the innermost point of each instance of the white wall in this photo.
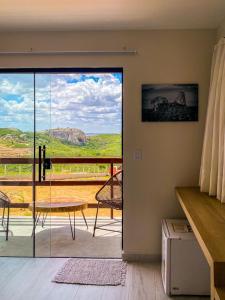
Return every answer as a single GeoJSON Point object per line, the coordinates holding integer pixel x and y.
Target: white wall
{"type": "Point", "coordinates": [171, 151]}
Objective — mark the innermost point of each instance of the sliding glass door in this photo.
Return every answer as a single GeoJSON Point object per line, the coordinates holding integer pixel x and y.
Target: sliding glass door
{"type": "Point", "coordinates": [16, 163]}
{"type": "Point", "coordinates": [43, 125]}
{"type": "Point", "coordinates": [60, 141]}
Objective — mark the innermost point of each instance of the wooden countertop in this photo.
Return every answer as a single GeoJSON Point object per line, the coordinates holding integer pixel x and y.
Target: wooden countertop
{"type": "Point", "coordinates": [206, 216]}
{"type": "Point", "coordinates": [207, 219]}
{"type": "Point", "coordinates": [219, 293]}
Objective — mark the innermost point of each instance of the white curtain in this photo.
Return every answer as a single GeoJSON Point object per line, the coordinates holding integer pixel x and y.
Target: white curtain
{"type": "Point", "coordinates": [212, 173]}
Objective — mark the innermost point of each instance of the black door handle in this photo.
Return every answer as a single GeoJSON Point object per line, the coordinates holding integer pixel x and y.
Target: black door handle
{"type": "Point", "coordinates": [47, 165]}
{"type": "Point", "coordinates": [43, 162]}
{"type": "Point", "coordinates": [43, 151]}
{"type": "Point", "coordinates": [39, 163]}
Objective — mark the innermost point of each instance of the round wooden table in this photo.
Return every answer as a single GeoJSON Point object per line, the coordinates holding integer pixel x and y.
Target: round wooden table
{"type": "Point", "coordinates": [43, 208]}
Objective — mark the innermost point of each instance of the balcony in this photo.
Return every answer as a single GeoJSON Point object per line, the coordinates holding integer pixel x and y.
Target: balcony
{"type": "Point", "coordinates": [70, 178]}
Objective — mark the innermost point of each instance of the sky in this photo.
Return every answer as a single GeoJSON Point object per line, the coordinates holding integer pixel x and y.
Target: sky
{"type": "Point", "coordinates": [91, 102]}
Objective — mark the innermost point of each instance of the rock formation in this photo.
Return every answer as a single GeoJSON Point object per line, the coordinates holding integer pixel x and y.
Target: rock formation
{"type": "Point", "coordinates": [70, 135]}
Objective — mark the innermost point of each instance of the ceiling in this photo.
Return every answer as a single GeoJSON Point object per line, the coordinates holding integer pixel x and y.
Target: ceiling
{"type": "Point", "coordinates": [18, 15]}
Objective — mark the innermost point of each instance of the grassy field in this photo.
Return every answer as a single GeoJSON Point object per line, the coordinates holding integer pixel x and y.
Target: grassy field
{"type": "Point", "coordinates": [101, 145]}
{"type": "Point", "coordinates": [15, 143]}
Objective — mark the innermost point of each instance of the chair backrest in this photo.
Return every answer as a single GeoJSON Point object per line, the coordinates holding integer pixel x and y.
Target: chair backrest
{"type": "Point", "coordinates": [112, 189]}
{"type": "Point", "coordinates": [4, 199]}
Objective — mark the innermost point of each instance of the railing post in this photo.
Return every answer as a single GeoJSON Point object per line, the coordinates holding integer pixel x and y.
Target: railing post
{"type": "Point", "coordinates": [111, 174]}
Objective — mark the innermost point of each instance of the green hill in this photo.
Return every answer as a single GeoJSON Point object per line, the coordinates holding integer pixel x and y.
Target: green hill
{"type": "Point", "coordinates": [100, 145]}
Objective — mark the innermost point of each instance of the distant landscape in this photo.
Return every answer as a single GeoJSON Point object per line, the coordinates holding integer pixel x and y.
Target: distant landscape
{"type": "Point", "coordinates": [60, 142]}
{"type": "Point", "coordinates": [17, 143]}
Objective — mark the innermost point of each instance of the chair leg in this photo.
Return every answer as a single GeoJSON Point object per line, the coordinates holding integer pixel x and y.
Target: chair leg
{"type": "Point", "coordinates": [7, 226]}
{"type": "Point", "coordinates": [96, 217]}
{"type": "Point", "coordinates": [3, 215]}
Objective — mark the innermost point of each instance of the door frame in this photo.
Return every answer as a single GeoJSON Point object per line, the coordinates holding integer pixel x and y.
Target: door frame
{"type": "Point", "coordinates": [55, 70]}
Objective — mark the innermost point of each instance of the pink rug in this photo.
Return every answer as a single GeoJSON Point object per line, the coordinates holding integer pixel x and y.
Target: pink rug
{"type": "Point", "coordinates": [92, 271]}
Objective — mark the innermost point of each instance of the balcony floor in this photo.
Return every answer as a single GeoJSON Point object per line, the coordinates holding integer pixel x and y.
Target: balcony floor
{"type": "Point", "coordinates": [55, 240]}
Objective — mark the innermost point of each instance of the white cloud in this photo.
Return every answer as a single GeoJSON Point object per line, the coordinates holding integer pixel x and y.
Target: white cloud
{"type": "Point", "coordinates": [91, 104]}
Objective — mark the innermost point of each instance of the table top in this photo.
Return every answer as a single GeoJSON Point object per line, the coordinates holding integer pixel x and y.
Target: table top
{"type": "Point", "coordinates": [59, 206]}
{"type": "Point", "coordinates": [207, 218]}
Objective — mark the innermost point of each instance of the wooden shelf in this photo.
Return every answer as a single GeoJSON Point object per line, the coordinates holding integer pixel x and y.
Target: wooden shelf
{"type": "Point", "coordinates": [219, 293]}
{"type": "Point", "coordinates": [206, 216]}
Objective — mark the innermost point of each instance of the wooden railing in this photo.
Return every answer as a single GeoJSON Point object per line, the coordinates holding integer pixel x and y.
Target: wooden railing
{"type": "Point", "coordinates": [59, 160]}
{"type": "Point", "coordinates": [63, 160]}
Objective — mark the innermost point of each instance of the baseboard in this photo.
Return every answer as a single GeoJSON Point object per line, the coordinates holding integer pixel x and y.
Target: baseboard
{"type": "Point", "coordinates": [141, 257]}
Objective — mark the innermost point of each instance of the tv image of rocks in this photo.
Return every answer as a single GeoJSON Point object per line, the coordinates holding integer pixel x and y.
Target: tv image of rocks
{"type": "Point", "coordinates": [161, 103]}
{"type": "Point", "coordinates": [166, 112]}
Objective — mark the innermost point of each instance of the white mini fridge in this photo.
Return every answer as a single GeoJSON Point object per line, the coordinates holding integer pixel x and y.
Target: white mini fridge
{"type": "Point", "coordinates": [184, 268]}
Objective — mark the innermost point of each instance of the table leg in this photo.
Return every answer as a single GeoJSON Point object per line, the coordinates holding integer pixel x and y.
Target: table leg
{"type": "Point", "coordinates": [72, 228]}
{"type": "Point", "coordinates": [7, 225]}
{"type": "Point", "coordinates": [37, 217]}
{"type": "Point", "coordinates": [44, 219]}
{"type": "Point", "coordinates": [84, 218]}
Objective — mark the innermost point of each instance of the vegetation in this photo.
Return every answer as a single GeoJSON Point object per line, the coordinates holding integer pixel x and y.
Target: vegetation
{"type": "Point", "coordinates": [16, 143]}
{"type": "Point", "coordinates": [100, 145]}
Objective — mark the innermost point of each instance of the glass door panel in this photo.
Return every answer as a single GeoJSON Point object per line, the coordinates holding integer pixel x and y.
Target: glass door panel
{"type": "Point", "coordinates": [43, 172]}
{"type": "Point", "coordinates": [16, 163]}
{"type": "Point", "coordinates": [86, 110]}
{"type": "Point", "coordinates": [64, 132]}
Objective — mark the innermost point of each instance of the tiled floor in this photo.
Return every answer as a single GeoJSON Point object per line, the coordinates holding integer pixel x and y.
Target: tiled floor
{"type": "Point", "coordinates": [30, 279]}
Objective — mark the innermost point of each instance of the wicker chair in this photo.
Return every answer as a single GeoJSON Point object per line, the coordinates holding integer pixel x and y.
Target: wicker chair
{"type": "Point", "coordinates": [5, 203]}
{"type": "Point", "coordinates": [110, 195]}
